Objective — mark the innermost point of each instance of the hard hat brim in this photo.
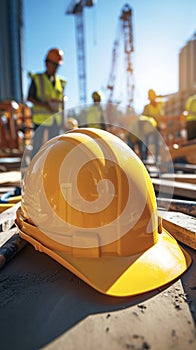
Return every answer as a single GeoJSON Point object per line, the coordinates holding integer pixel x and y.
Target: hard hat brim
{"type": "Point", "coordinates": [126, 276]}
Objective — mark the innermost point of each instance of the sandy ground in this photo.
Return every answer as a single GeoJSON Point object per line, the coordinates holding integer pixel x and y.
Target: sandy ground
{"type": "Point", "coordinates": [44, 306]}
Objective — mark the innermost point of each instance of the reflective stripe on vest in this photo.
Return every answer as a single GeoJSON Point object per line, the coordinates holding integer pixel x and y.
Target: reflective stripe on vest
{"type": "Point", "coordinates": [45, 92]}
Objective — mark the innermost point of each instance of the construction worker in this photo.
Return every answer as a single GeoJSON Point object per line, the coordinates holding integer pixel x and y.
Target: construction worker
{"type": "Point", "coordinates": [46, 93]}
{"type": "Point", "coordinates": [190, 113]}
{"type": "Point", "coordinates": [153, 110]}
{"type": "Point", "coordinates": [95, 117]}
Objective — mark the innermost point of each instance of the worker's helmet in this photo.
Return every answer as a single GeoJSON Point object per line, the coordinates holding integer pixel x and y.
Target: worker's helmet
{"type": "Point", "coordinates": [88, 202]}
{"type": "Point", "coordinates": [96, 96]}
{"type": "Point", "coordinates": [71, 123]}
{"type": "Point", "coordinates": [151, 94]}
{"type": "Point", "coordinates": [55, 55]}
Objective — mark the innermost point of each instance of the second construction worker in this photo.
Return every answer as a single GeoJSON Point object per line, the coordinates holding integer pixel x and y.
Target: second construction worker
{"type": "Point", "coordinates": [46, 93]}
{"type": "Point", "coordinates": [153, 110]}
{"type": "Point", "coordinates": [95, 115]}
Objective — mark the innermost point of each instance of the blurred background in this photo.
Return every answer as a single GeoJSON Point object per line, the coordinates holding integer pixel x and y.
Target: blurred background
{"type": "Point", "coordinates": [121, 58]}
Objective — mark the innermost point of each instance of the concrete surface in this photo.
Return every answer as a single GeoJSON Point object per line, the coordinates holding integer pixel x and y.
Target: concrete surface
{"type": "Point", "coordinates": [44, 306]}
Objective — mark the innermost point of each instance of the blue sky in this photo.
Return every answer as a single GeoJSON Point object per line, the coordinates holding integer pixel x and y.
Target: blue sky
{"type": "Point", "coordinates": [160, 30]}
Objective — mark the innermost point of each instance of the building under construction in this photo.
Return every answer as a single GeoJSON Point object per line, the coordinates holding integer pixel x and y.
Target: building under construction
{"type": "Point", "coordinates": [187, 78]}
{"type": "Point", "coordinates": [11, 48]}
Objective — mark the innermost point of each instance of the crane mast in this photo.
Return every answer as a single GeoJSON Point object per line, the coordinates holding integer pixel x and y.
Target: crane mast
{"type": "Point", "coordinates": [76, 8]}
{"type": "Point", "coordinates": [112, 76]}
{"type": "Point", "coordinates": [81, 59]}
{"type": "Point", "coordinates": [126, 32]}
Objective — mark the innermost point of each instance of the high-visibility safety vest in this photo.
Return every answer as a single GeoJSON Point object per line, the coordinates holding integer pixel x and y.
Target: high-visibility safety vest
{"type": "Point", "coordinates": [153, 111]}
{"type": "Point", "coordinates": [45, 92]}
{"type": "Point", "coordinates": [94, 116]}
{"type": "Point", "coordinates": [190, 108]}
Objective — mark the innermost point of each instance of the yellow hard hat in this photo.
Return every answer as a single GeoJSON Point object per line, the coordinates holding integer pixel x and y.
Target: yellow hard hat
{"type": "Point", "coordinates": [96, 96]}
{"type": "Point", "coordinates": [151, 94]}
{"type": "Point", "coordinates": [95, 213]}
{"type": "Point", "coordinates": [55, 55]}
{"type": "Point", "coordinates": [71, 123]}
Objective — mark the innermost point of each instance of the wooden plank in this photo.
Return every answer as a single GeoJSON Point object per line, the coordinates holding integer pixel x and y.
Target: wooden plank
{"type": "Point", "coordinates": [182, 189]}
{"type": "Point", "coordinates": [153, 170]}
{"type": "Point", "coordinates": [183, 206]}
{"type": "Point", "coordinates": [10, 163]}
{"type": "Point", "coordinates": [178, 167]}
{"type": "Point", "coordinates": [10, 160]}
{"type": "Point", "coordinates": [186, 168]}
{"type": "Point", "coordinates": [188, 178]}
{"type": "Point", "coordinates": [12, 178]}
{"type": "Point", "coordinates": [6, 189]}
{"type": "Point", "coordinates": [181, 226]}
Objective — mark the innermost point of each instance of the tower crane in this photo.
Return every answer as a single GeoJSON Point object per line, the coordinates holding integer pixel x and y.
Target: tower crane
{"type": "Point", "coordinates": [76, 8]}
{"type": "Point", "coordinates": [126, 31]}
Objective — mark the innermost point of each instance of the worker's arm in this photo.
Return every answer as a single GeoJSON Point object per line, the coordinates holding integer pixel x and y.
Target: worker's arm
{"type": "Point", "coordinates": [40, 103]}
